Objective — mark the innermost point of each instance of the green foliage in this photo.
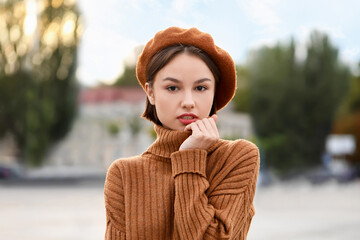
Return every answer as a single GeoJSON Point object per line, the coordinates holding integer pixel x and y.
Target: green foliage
{"type": "Point", "coordinates": [135, 124]}
{"type": "Point", "coordinates": [351, 103]}
{"type": "Point", "coordinates": [113, 128]}
{"type": "Point", "coordinates": [128, 77]}
{"type": "Point", "coordinates": [241, 100]}
{"type": "Point", "coordinates": [293, 102]}
{"type": "Point", "coordinates": [348, 118]}
{"type": "Point", "coordinates": [38, 91]}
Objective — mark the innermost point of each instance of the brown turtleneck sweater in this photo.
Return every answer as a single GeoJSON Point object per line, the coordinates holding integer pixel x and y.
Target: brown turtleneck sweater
{"type": "Point", "coordinates": [189, 194]}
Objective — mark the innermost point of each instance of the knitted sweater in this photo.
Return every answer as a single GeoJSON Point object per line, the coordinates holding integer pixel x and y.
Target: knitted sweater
{"type": "Point", "coordinates": [189, 194]}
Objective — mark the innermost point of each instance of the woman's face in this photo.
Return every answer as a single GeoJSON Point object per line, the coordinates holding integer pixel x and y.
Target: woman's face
{"type": "Point", "coordinates": [182, 91]}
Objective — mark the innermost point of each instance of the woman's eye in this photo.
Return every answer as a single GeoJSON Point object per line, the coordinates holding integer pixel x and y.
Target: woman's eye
{"type": "Point", "coordinates": [172, 88]}
{"type": "Point", "coordinates": [200, 88]}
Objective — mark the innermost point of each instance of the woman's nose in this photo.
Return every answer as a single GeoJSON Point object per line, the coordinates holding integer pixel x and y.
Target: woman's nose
{"type": "Point", "coordinates": [188, 101]}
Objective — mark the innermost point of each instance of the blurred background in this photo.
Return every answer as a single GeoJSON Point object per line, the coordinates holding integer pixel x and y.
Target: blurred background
{"type": "Point", "coordinates": [70, 105]}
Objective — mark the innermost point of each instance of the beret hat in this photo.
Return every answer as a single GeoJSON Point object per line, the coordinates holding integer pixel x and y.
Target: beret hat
{"type": "Point", "coordinates": [226, 87]}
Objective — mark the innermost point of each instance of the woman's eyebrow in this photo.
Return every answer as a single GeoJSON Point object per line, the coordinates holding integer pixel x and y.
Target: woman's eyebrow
{"type": "Point", "coordinates": [172, 79]}
{"type": "Point", "coordinates": [178, 81]}
{"type": "Point", "coordinates": [203, 80]}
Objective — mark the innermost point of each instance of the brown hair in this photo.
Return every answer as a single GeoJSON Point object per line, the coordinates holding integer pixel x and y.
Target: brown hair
{"type": "Point", "coordinates": [161, 58]}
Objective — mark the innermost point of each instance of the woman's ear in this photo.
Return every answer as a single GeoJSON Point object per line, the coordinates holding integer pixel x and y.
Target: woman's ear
{"type": "Point", "coordinates": [150, 93]}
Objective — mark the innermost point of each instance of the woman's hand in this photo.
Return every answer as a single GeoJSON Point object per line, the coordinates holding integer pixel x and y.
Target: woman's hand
{"type": "Point", "coordinates": [204, 134]}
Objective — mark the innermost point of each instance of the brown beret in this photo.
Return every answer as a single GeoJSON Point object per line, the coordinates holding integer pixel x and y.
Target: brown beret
{"type": "Point", "coordinates": [174, 35]}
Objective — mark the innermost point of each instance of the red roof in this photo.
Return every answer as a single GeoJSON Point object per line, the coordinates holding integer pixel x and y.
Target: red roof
{"type": "Point", "coordinates": [112, 94]}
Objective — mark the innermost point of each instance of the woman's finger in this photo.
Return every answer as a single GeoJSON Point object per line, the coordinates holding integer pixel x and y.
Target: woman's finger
{"type": "Point", "coordinates": [193, 127]}
{"type": "Point", "coordinates": [209, 126]}
{"type": "Point", "coordinates": [214, 127]}
{"type": "Point", "coordinates": [202, 127]}
{"type": "Point", "coordinates": [213, 123]}
{"type": "Point", "coordinates": [187, 127]}
{"type": "Point", "coordinates": [215, 117]}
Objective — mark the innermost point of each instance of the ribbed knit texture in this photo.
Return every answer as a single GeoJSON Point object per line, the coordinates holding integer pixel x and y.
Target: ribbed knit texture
{"type": "Point", "coordinates": [190, 194]}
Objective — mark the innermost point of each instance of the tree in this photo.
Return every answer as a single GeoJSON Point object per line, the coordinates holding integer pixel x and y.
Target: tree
{"type": "Point", "coordinates": [241, 100]}
{"type": "Point", "coordinates": [38, 88]}
{"type": "Point", "coordinates": [293, 102]}
{"type": "Point", "coordinates": [348, 117]}
{"type": "Point", "coordinates": [128, 77]}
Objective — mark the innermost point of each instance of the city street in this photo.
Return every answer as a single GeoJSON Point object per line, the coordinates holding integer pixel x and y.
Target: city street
{"type": "Point", "coordinates": [75, 211]}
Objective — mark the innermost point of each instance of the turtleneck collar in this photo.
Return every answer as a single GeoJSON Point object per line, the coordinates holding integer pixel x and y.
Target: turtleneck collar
{"type": "Point", "coordinates": [167, 141]}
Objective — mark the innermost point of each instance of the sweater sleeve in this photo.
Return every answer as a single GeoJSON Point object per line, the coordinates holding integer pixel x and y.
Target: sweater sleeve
{"type": "Point", "coordinates": [114, 204]}
{"type": "Point", "coordinates": [227, 211]}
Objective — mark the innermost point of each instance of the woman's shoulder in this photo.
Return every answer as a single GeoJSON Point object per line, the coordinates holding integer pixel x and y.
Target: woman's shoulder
{"type": "Point", "coordinates": [120, 163]}
{"type": "Point", "coordinates": [238, 144]}
{"type": "Point", "coordinates": [237, 151]}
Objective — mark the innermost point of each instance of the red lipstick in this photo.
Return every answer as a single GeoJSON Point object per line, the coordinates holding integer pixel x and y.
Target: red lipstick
{"type": "Point", "coordinates": [187, 118]}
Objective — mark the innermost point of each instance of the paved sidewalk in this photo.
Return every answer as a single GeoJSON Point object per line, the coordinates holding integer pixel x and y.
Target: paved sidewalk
{"type": "Point", "coordinates": [300, 211]}
{"type": "Point", "coordinates": [52, 213]}
{"type": "Point", "coordinates": [283, 212]}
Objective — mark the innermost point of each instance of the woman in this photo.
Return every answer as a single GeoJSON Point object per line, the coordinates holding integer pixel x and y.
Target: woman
{"type": "Point", "coordinates": [189, 184]}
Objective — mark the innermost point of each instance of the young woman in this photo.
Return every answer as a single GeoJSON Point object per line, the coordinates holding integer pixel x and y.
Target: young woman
{"type": "Point", "coordinates": [189, 184]}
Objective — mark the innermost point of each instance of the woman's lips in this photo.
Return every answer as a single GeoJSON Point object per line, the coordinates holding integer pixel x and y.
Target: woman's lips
{"type": "Point", "coordinates": [187, 118]}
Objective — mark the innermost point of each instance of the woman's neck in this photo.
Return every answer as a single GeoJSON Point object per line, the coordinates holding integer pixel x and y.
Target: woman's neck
{"type": "Point", "coordinates": [167, 141]}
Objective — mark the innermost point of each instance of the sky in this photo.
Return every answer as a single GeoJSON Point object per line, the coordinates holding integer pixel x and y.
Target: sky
{"type": "Point", "coordinates": [114, 28]}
